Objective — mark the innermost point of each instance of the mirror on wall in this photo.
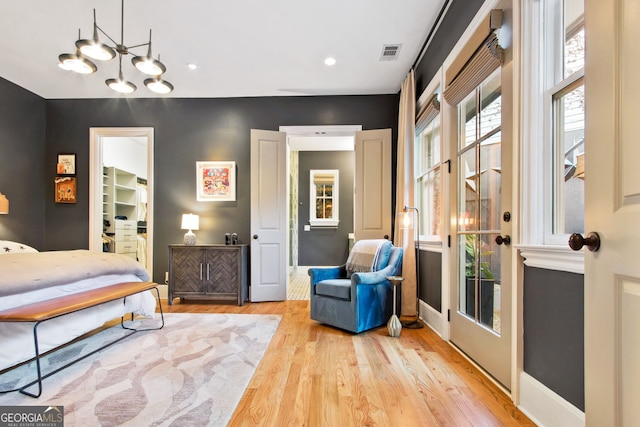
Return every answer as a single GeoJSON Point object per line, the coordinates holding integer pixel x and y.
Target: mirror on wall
{"type": "Point", "coordinates": [125, 197]}
{"type": "Point", "coordinates": [121, 196]}
{"type": "Point", "coordinates": [323, 194]}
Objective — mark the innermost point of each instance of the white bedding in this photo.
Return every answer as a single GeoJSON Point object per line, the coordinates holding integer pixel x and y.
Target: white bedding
{"type": "Point", "coordinates": [17, 338]}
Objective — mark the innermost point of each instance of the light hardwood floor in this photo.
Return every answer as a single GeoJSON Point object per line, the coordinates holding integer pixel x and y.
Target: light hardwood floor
{"type": "Point", "coordinates": [315, 375]}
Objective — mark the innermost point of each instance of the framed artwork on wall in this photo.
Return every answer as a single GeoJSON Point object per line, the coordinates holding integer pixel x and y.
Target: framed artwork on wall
{"type": "Point", "coordinates": [66, 164]}
{"type": "Point", "coordinates": [65, 189]}
{"type": "Point", "coordinates": [216, 181]}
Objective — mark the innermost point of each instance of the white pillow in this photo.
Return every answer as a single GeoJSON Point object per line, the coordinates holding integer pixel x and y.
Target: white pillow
{"type": "Point", "coordinates": [9, 247]}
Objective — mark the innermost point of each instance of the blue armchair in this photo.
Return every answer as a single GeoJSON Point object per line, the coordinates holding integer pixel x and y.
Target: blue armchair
{"type": "Point", "coordinates": [355, 301]}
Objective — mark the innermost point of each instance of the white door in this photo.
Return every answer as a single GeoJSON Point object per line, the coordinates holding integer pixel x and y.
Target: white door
{"type": "Point", "coordinates": [481, 302]}
{"type": "Point", "coordinates": [372, 211]}
{"type": "Point", "coordinates": [612, 209]}
{"type": "Point", "coordinates": [268, 216]}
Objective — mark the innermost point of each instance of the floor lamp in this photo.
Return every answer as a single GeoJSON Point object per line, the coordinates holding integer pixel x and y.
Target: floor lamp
{"type": "Point", "coordinates": [406, 222]}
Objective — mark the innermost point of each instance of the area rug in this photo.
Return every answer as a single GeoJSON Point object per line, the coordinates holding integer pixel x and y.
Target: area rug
{"type": "Point", "coordinates": [193, 372]}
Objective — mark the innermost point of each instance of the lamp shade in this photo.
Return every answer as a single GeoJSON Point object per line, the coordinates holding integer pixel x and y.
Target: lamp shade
{"type": "Point", "coordinates": [77, 63]}
{"type": "Point", "coordinates": [148, 65]}
{"type": "Point", "coordinates": [121, 85]}
{"type": "Point", "coordinates": [190, 222]}
{"type": "Point", "coordinates": [93, 48]}
{"type": "Point", "coordinates": [4, 204]}
{"type": "Point", "coordinates": [158, 85]}
{"type": "Point", "coordinates": [406, 220]}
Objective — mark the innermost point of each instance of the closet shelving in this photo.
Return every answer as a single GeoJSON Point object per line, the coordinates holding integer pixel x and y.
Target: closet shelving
{"type": "Point", "coordinates": [120, 196]}
{"type": "Point", "coordinates": [120, 209]}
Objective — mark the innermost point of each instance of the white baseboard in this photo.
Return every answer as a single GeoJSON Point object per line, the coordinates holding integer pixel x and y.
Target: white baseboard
{"type": "Point", "coordinates": [164, 291]}
{"type": "Point", "coordinates": [431, 317]}
{"type": "Point", "coordinates": [545, 407]}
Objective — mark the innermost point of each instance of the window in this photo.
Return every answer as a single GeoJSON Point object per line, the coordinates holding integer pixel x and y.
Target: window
{"type": "Point", "coordinates": [564, 103]}
{"type": "Point", "coordinates": [323, 192]}
{"type": "Point", "coordinates": [428, 169]}
{"type": "Point", "coordinates": [428, 180]}
{"type": "Point", "coordinates": [552, 135]}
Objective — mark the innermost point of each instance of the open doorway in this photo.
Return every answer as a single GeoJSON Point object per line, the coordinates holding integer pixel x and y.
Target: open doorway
{"type": "Point", "coordinates": [328, 148]}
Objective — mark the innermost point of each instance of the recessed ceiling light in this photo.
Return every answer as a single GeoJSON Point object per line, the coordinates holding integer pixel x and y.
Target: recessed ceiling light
{"type": "Point", "coordinates": [192, 66]}
{"type": "Point", "coordinates": [330, 61]}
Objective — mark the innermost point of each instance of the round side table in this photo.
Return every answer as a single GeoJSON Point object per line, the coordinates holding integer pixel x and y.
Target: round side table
{"type": "Point", "coordinates": [394, 326]}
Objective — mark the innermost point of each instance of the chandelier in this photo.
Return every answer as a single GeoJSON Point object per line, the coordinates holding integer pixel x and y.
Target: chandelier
{"type": "Point", "coordinates": [94, 49]}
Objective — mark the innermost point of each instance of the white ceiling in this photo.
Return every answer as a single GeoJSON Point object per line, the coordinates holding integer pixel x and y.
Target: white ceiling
{"type": "Point", "coordinates": [243, 48]}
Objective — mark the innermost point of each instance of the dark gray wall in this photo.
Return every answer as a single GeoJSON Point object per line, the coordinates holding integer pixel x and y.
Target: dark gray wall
{"type": "Point", "coordinates": [22, 165]}
{"type": "Point", "coordinates": [188, 130]}
{"type": "Point", "coordinates": [554, 331]}
{"type": "Point", "coordinates": [431, 279]}
{"type": "Point", "coordinates": [454, 22]}
{"type": "Point", "coordinates": [328, 246]}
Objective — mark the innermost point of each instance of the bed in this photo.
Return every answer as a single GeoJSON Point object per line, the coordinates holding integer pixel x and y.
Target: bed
{"type": "Point", "coordinates": [28, 276]}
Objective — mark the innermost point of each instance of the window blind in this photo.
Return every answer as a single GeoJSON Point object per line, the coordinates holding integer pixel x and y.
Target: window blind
{"type": "Point", "coordinates": [484, 61]}
{"type": "Point", "coordinates": [427, 113]}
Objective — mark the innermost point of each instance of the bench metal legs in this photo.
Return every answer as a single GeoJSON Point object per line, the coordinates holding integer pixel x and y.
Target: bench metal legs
{"type": "Point", "coordinates": [41, 377]}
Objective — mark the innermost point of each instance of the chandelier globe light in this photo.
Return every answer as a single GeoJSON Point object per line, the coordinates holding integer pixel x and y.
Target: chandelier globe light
{"type": "Point", "coordinates": [93, 48]}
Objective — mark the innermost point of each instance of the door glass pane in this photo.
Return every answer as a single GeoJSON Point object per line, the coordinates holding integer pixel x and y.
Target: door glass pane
{"type": "Point", "coordinates": [490, 104]}
{"type": "Point", "coordinates": [467, 191]}
{"type": "Point", "coordinates": [466, 275]}
{"type": "Point", "coordinates": [479, 274]}
{"type": "Point", "coordinates": [467, 125]}
{"type": "Point", "coordinates": [489, 267]}
{"type": "Point", "coordinates": [490, 183]}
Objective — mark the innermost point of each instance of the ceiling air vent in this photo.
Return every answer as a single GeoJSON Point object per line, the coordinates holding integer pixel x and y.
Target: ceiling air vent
{"type": "Point", "coordinates": [390, 52]}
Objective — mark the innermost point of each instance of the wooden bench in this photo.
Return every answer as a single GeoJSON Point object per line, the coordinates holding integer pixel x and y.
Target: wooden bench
{"type": "Point", "coordinates": [50, 309]}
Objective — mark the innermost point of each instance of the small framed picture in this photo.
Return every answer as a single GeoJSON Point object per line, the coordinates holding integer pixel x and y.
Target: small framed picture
{"type": "Point", "coordinates": [216, 181]}
{"type": "Point", "coordinates": [65, 189]}
{"type": "Point", "coordinates": [66, 164]}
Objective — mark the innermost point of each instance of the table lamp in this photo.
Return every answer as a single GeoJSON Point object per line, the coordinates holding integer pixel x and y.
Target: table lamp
{"type": "Point", "coordinates": [190, 222]}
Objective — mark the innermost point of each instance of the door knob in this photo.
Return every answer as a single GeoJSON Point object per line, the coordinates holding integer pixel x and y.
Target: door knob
{"type": "Point", "coordinates": [506, 240]}
{"type": "Point", "coordinates": [592, 241]}
{"type": "Point", "coordinates": [255, 237]}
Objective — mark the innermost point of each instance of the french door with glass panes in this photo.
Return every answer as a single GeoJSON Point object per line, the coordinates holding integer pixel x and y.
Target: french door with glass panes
{"type": "Point", "coordinates": [481, 322]}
